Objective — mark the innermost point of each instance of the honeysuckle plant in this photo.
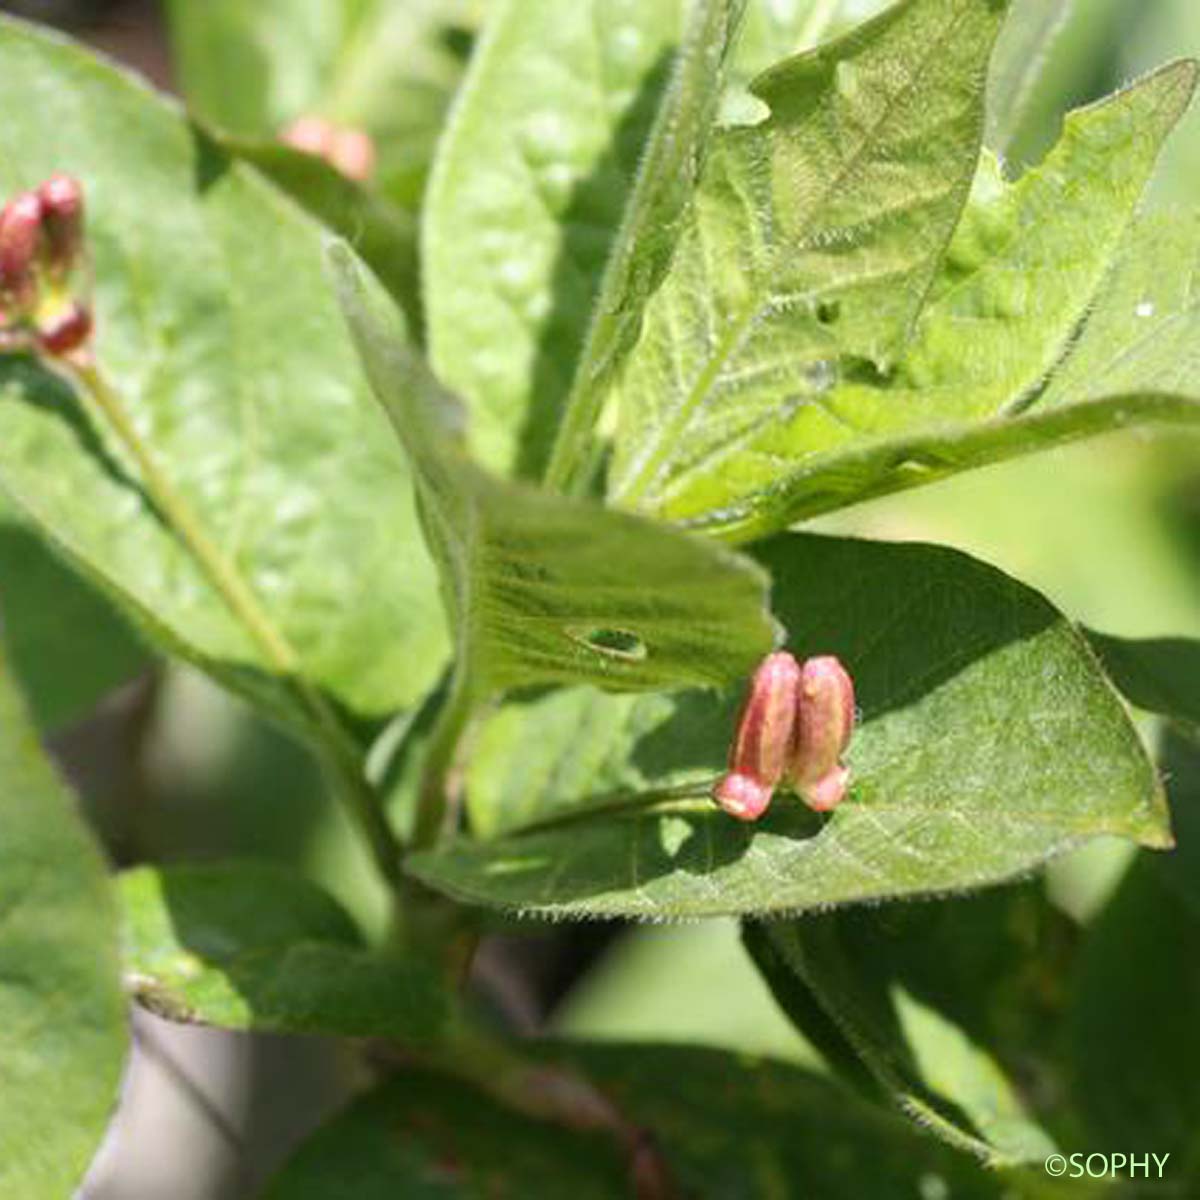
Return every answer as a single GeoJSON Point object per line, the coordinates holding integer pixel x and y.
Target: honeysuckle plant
{"type": "Point", "coordinates": [452, 387]}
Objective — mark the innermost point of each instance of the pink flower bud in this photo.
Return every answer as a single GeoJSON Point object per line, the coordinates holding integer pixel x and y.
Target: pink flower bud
{"type": "Point", "coordinates": [824, 723]}
{"type": "Point", "coordinates": [312, 135]}
{"type": "Point", "coordinates": [762, 743]}
{"type": "Point", "coordinates": [67, 331]}
{"type": "Point", "coordinates": [62, 219]}
{"type": "Point", "coordinates": [20, 227]}
{"type": "Point", "coordinates": [353, 153]}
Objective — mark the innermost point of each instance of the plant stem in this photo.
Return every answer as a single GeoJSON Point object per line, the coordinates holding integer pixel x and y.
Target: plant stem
{"type": "Point", "coordinates": [441, 761]}
{"type": "Point", "coordinates": [819, 20]}
{"type": "Point", "coordinates": [340, 756]}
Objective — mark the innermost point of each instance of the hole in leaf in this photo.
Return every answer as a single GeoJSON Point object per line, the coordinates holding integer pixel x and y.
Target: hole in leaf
{"type": "Point", "coordinates": [614, 643]}
{"type": "Point", "coordinates": [828, 312]}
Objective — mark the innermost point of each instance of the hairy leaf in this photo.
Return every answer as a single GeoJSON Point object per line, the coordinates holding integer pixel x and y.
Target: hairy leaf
{"type": "Point", "coordinates": [545, 590]}
{"type": "Point", "coordinates": [815, 234]}
{"type": "Point", "coordinates": [246, 395]}
{"type": "Point", "coordinates": [389, 66]}
{"type": "Point", "coordinates": [66, 644]}
{"type": "Point", "coordinates": [1142, 336]}
{"type": "Point", "coordinates": [251, 946]}
{"type": "Point", "coordinates": [1025, 264]}
{"type": "Point", "coordinates": [897, 985]}
{"type": "Point", "coordinates": [725, 1126]}
{"type": "Point", "coordinates": [555, 196]}
{"type": "Point", "coordinates": [670, 167]}
{"type": "Point", "coordinates": [989, 741]}
{"type": "Point", "coordinates": [62, 1020]}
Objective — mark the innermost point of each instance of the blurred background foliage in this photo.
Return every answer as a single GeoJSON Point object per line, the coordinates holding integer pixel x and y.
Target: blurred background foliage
{"type": "Point", "coordinates": [172, 768]}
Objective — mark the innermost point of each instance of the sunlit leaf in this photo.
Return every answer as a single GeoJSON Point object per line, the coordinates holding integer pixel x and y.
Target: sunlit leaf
{"type": "Point", "coordinates": [245, 394]}
{"type": "Point", "coordinates": [912, 990]}
{"type": "Point", "coordinates": [1026, 263]}
{"type": "Point", "coordinates": [555, 197]}
{"type": "Point", "coordinates": [542, 589]}
{"type": "Point", "coordinates": [989, 741]}
{"type": "Point", "coordinates": [814, 236]}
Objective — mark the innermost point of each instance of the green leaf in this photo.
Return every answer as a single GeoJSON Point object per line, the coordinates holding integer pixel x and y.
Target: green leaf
{"type": "Point", "coordinates": [389, 66]}
{"type": "Point", "coordinates": [1179, 758]}
{"type": "Point", "coordinates": [989, 741]}
{"type": "Point", "coordinates": [251, 946]}
{"type": "Point", "coordinates": [247, 396]}
{"type": "Point", "coordinates": [1026, 263]}
{"type": "Point", "coordinates": [426, 1135]}
{"type": "Point", "coordinates": [727, 1126]}
{"type": "Point", "coordinates": [1159, 675]}
{"type": "Point", "coordinates": [1142, 335]}
{"type": "Point", "coordinates": [62, 1019]}
{"type": "Point", "coordinates": [893, 983]}
{"type": "Point", "coordinates": [777, 29]}
{"type": "Point", "coordinates": [67, 645]}
{"type": "Point", "coordinates": [688, 984]}
{"type": "Point", "coordinates": [1018, 63]}
{"type": "Point", "coordinates": [546, 590]}
{"type": "Point", "coordinates": [666, 177]}
{"type": "Point", "coordinates": [1133, 1049]}
{"type": "Point", "coordinates": [556, 195]}
{"type": "Point", "coordinates": [383, 234]}
{"type": "Point", "coordinates": [815, 234]}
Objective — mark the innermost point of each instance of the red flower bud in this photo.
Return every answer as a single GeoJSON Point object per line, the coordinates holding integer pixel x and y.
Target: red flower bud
{"type": "Point", "coordinates": [824, 723]}
{"type": "Point", "coordinates": [20, 226]}
{"type": "Point", "coordinates": [62, 219]}
{"type": "Point", "coordinates": [67, 331]}
{"type": "Point", "coordinates": [762, 744]}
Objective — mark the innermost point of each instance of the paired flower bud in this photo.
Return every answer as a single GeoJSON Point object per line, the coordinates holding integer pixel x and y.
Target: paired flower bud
{"type": "Point", "coordinates": [762, 744]}
{"type": "Point", "coordinates": [824, 724]}
{"type": "Point", "coordinates": [41, 244]}
{"type": "Point", "coordinates": [62, 220]}
{"type": "Point", "coordinates": [20, 230]}
{"type": "Point", "coordinates": [794, 726]}
{"type": "Point", "coordinates": [350, 151]}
